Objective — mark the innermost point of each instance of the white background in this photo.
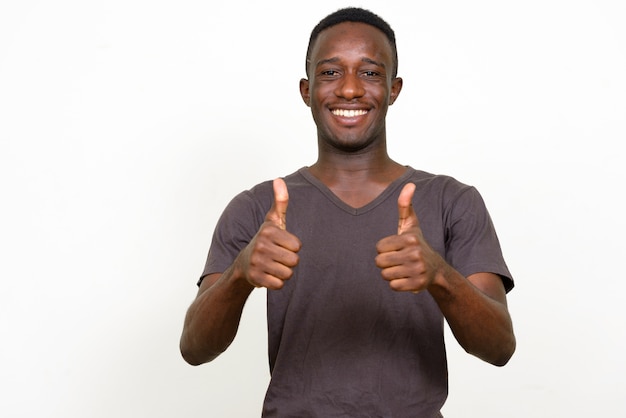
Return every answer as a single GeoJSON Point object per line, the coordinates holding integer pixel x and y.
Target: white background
{"type": "Point", "coordinates": [126, 126]}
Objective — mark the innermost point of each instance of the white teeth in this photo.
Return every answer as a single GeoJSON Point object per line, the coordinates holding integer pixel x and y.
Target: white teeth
{"type": "Point", "coordinates": [348, 113]}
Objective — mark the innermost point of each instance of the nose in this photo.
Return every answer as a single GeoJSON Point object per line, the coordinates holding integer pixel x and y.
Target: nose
{"type": "Point", "coordinates": [350, 87]}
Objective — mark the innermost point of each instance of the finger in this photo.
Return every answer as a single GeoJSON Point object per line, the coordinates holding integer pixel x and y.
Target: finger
{"type": "Point", "coordinates": [407, 218]}
{"type": "Point", "coordinates": [268, 281]}
{"type": "Point", "coordinates": [278, 211]}
{"type": "Point", "coordinates": [273, 275]}
{"type": "Point", "coordinates": [404, 285]}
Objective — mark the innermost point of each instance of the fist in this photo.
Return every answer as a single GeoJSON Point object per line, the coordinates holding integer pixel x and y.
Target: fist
{"type": "Point", "coordinates": [270, 257]}
{"type": "Point", "coordinates": [406, 260]}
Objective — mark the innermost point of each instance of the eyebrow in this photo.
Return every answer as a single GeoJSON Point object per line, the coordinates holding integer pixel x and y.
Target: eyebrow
{"type": "Point", "coordinates": [336, 59]}
{"type": "Point", "coordinates": [371, 61]}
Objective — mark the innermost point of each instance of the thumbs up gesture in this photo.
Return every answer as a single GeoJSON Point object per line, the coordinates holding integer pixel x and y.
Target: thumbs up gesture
{"type": "Point", "coordinates": [268, 260]}
{"type": "Point", "coordinates": [406, 260]}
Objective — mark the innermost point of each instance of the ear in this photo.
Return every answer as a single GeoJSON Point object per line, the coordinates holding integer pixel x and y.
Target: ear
{"type": "Point", "coordinates": [396, 87]}
{"type": "Point", "coordinates": [305, 92]}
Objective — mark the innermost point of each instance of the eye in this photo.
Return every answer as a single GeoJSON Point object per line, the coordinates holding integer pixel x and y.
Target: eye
{"type": "Point", "coordinates": [371, 73]}
{"type": "Point", "coordinates": [329, 73]}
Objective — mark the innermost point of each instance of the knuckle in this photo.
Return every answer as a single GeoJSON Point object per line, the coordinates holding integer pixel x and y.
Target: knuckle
{"type": "Point", "coordinates": [396, 285]}
{"type": "Point", "coordinates": [388, 274]}
{"type": "Point", "coordinates": [278, 285]}
{"type": "Point", "coordinates": [412, 239]}
{"type": "Point", "coordinates": [415, 256]}
{"type": "Point", "coordinates": [294, 260]}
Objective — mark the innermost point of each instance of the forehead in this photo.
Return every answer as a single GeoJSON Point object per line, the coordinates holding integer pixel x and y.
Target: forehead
{"type": "Point", "coordinates": [352, 38]}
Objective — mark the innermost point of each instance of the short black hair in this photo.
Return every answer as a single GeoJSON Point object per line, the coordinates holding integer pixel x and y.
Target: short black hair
{"type": "Point", "coordinates": [354, 14]}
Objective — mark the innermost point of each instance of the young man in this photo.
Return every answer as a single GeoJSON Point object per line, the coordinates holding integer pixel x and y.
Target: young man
{"type": "Point", "coordinates": [362, 257]}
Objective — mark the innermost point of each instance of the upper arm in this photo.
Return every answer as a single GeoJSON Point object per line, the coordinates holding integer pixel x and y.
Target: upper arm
{"type": "Point", "coordinates": [490, 284]}
{"type": "Point", "coordinates": [208, 281]}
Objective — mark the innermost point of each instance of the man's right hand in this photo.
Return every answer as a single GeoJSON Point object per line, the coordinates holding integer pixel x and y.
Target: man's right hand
{"type": "Point", "coordinates": [268, 260]}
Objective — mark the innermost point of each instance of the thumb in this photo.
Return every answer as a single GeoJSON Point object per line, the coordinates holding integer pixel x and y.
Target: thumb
{"type": "Point", "coordinates": [407, 218]}
{"type": "Point", "coordinates": [278, 212]}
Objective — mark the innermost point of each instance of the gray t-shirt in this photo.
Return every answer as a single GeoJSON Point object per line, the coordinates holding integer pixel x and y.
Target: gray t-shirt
{"type": "Point", "coordinates": [341, 342]}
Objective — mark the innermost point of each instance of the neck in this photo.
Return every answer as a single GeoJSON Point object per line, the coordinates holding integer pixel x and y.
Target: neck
{"type": "Point", "coordinates": [356, 178]}
{"type": "Point", "coordinates": [333, 169]}
{"type": "Point", "coordinates": [334, 165]}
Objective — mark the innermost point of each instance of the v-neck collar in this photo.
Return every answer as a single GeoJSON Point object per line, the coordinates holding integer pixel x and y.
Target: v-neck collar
{"type": "Point", "coordinates": [325, 190]}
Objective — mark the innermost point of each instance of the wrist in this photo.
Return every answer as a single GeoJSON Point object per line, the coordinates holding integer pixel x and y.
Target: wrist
{"type": "Point", "coordinates": [444, 282]}
{"type": "Point", "coordinates": [237, 280]}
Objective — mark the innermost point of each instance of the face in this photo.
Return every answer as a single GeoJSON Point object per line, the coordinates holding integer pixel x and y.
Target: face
{"type": "Point", "coordinates": [350, 85]}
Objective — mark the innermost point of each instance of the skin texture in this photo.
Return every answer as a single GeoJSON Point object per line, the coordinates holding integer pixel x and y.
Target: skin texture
{"type": "Point", "coordinates": [351, 69]}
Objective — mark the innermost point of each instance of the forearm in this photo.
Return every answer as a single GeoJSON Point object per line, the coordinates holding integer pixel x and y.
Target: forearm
{"type": "Point", "coordinates": [213, 318]}
{"type": "Point", "coordinates": [477, 314]}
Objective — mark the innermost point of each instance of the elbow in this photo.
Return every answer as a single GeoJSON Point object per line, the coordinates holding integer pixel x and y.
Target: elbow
{"type": "Point", "coordinates": [501, 361]}
{"type": "Point", "coordinates": [495, 354]}
{"type": "Point", "coordinates": [193, 355]}
{"type": "Point", "coordinates": [504, 354]}
{"type": "Point", "coordinates": [188, 354]}
{"type": "Point", "coordinates": [190, 358]}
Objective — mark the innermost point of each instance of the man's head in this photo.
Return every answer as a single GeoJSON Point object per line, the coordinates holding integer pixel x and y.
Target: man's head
{"type": "Point", "coordinates": [354, 14]}
{"type": "Point", "coordinates": [351, 82]}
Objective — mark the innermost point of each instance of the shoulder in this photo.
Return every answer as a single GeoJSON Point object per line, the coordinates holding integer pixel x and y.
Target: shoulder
{"type": "Point", "coordinates": [260, 196]}
{"type": "Point", "coordinates": [446, 187]}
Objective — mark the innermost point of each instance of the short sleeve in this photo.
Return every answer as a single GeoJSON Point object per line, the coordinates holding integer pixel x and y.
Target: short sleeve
{"type": "Point", "coordinates": [235, 228]}
{"type": "Point", "coordinates": [472, 245]}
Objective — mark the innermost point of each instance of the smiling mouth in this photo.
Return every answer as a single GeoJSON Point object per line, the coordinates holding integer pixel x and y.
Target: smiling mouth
{"type": "Point", "coordinates": [348, 113]}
